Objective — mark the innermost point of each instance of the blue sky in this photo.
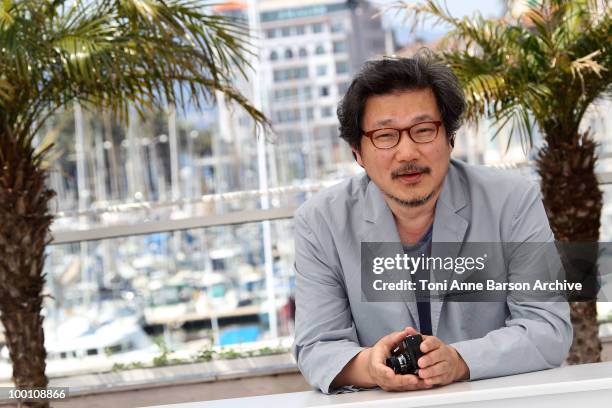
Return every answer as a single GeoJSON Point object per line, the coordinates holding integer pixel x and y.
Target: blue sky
{"type": "Point", "coordinates": [458, 8]}
{"type": "Point", "coordinates": [488, 8]}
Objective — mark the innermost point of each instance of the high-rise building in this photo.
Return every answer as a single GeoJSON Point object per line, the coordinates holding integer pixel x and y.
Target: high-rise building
{"type": "Point", "coordinates": [308, 52]}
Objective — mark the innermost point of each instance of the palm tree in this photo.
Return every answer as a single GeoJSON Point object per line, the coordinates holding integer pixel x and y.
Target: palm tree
{"type": "Point", "coordinates": [112, 54]}
{"type": "Point", "coordinates": [543, 70]}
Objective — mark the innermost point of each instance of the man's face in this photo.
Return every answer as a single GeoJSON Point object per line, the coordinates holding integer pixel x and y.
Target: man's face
{"type": "Point", "coordinates": [410, 174]}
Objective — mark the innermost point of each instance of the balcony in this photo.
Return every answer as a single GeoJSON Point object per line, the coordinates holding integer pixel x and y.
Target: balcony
{"type": "Point", "coordinates": [182, 307]}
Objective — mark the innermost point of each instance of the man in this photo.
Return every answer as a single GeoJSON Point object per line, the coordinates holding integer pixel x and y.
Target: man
{"type": "Point", "coordinates": [400, 117]}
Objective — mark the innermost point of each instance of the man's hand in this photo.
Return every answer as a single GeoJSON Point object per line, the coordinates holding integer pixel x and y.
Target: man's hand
{"type": "Point", "coordinates": [441, 363]}
{"type": "Point", "coordinates": [384, 376]}
{"type": "Point", "coordinates": [368, 368]}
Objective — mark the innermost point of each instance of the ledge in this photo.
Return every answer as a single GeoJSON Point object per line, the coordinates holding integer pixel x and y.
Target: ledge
{"type": "Point", "coordinates": [142, 378]}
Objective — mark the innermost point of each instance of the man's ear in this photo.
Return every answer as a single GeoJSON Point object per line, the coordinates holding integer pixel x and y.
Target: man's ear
{"type": "Point", "coordinates": [357, 156]}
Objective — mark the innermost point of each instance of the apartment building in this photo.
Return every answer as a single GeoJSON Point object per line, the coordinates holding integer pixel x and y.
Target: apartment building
{"type": "Point", "coordinates": [308, 52]}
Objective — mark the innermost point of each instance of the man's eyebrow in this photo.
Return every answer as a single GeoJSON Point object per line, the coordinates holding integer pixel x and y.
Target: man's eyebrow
{"type": "Point", "coordinates": [383, 122]}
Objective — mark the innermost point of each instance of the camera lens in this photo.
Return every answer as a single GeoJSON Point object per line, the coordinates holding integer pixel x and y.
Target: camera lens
{"type": "Point", "coordinates": [401, 364]}
{"type": "Point", "coordinates": [405, 355]}
{"type": "Point", "coordinates": [393, 364]}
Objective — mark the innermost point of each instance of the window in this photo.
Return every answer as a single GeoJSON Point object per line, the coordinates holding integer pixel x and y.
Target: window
{"type": "Point", "coordinates": [326, 111]}
{"type": "Point", "coordinates": [288, 115]}
{"type": "Point", "coordinates": [302, 52]}
{"type": "Point", "coordinates": [321, 70]}
{"type": "Point", "coordinates": [320, 50]}
{"type": "Point", "coordinates": [273, 56]}
{"type": "Point", "coordinates": [342, 67]}
{"type": "Point", "coordinates": [301, 72]}
{"type": "Point", "coordinates": [286, 31]}
{"type": "Point", "coordinates": [287, 136]}
{"type": "Point", "coordinates": [310, 113]}
{"type": "Point", "coordinates": [270, 33]}
{"type": "Point", "coordinates": [115, 349]}
{"type": "Point", "coordinates": [280, 94]}
{"type": "Point", "coordinates": [306, 92]}
{"type": "Point", "coordinates": [337, 27]}
{"type": "Point", "coordinates": [300, 30]}
{"type": "Point", "coordinates": [324, 91]}
{"type": "Point", "coordinates": [290, 73]}
{"type": "Point", "coordinates": [339, 47]}
{"type": "Point", "coordinates": [317, 28]}
{"type": "Point", "coordinates": [281, 75]}
{"type": "Point", "coordinates": [288, 53]}
{"type": "Point", "coordinates": [292, 93]}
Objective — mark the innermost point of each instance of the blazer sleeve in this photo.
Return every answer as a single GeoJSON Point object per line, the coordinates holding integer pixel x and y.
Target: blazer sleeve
{"type": "Point", "coordinates": [325, 335]}
{"type": "Point", "coordinates": [537, 335]}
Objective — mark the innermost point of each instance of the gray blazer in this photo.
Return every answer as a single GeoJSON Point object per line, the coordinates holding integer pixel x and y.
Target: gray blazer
{"type": "Point", "coordinates": [476, 204]}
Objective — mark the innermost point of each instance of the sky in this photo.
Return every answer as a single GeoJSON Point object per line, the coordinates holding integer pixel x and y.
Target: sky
{"type": "Point", "coordinates": [488, 8]}
{"type": "Point", "coordinates": [458, 8]}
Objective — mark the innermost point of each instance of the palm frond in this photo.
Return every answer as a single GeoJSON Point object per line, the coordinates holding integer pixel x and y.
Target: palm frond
{"type": "Point", "coordinates": [117, 53]}
{"type": "Point", "coordinates": [543, 69]}
{"type": "Point", "coordinates": [6, 19]}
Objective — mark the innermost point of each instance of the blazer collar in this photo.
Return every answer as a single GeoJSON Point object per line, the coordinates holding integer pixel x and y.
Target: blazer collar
{"type": "Point", "coordinates": [376, 208]}
{"type": "Point", "coordinates": [453, 194]}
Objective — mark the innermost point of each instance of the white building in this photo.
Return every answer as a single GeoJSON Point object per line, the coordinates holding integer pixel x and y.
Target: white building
{"type": "Point", "coordinates": [308, 52]}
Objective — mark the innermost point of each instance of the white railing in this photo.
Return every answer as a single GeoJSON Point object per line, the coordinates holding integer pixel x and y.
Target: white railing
{"type": "Point", "coordinates": [232, 218]}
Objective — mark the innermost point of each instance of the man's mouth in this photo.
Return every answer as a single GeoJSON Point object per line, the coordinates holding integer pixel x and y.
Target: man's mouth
{"type": "Point", "coordinates": [408, 175]}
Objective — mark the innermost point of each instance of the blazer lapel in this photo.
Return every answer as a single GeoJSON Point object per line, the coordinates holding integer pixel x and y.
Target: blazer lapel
{"type": "Point", "coordinates": [449, 229]}
{"type": "Point", "coordinates": [381, 228]}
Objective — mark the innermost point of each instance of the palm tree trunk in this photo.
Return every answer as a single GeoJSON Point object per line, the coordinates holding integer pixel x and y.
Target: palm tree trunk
{"type": "Point", "coordinates": [24, 221]}
{"type": "Point", "coordinates": [573, 201]}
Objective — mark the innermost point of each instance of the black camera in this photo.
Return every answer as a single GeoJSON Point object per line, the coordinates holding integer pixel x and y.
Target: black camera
{"type": "Point", "coordinates": [405, 355]}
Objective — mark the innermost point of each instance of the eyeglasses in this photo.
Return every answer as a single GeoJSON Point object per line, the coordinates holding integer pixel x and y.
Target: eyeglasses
{"type": "Point", "coordinates": [388, 138]}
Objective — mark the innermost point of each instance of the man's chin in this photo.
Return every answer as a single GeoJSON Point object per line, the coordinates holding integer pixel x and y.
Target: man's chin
{"type": "Point", "coordinates": [414, 200]}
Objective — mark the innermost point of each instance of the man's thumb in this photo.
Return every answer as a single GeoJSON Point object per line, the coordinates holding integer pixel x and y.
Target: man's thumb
{"type": "Point", "coordinates": [395, 337]}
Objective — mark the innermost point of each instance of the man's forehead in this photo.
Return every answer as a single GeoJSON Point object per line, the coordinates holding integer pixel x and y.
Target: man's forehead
{"type": "Point", "coordinates": [391, 120]}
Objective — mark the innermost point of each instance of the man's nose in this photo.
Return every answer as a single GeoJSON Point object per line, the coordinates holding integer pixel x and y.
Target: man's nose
{"type": "Point", "coordinates": [407, 149]}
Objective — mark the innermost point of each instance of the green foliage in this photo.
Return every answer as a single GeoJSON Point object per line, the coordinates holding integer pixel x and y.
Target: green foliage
{"type": "Point", "coordinates": [129, 366]}
{"type": "Point", "coordinates": [205, 354]}
{"type": "Point", "coordinates": [115, 54]}
{"type": "Point", "coordinates": [162, 359]}
{"type": "Point", "coordinates": [543, 69]}
{"type": "Point", "coordinates": [264, 351]}
{"type": "Point", "coordinates": [229, 354]}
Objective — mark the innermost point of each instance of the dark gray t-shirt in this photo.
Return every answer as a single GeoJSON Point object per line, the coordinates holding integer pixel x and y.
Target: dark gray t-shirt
{"type": "Point", "coordinates": [423, 247]}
